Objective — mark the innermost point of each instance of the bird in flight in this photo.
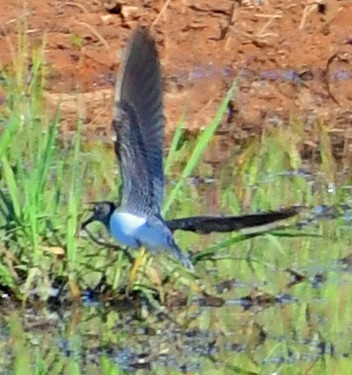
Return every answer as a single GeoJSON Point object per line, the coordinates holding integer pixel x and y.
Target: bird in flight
{"type": "Point", "coordinates": [138, 123]}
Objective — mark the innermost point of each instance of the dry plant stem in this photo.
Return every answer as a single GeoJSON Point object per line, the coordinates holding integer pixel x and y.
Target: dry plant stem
{"type": "Point", "coordinates": [99, 114]}
{"type": "Point", "coordinates": [308, 9]}
{"type": "Point", "coordinates": [98, 35]}
{"type": "Point", "coordinates": [73, 4]}
{"type": "Point", "coordinates": [261, 34]}
{"type": "Point", "coordinates": [162, 11]}
{"type": "Point", "coordinates": [268, 15]}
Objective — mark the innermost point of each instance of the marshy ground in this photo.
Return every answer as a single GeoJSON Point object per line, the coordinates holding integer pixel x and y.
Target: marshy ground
{"type": "Point", "coordinates": [276, 303]}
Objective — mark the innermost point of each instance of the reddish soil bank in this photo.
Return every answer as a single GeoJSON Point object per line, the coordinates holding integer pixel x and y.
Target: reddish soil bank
{"type": "Point", "coordinates": [292, 58]}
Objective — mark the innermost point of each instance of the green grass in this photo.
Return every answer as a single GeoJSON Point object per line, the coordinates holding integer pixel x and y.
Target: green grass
{"type": "Point", "coordinates": [45, 185]}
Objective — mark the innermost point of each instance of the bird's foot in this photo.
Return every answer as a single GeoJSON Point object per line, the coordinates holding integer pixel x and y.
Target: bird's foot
{"type": "Point", "coordinates": [138, 263]}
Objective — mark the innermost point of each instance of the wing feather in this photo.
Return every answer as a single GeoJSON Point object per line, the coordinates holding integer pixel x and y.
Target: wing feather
{"type": "Point", "coordinates": [209, 224]}
{"type": "Point", "coordinates": [139, 126]}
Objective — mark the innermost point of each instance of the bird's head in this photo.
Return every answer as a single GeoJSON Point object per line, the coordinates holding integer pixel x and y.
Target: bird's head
{"type": "Point", "coordinates": [102, 212]}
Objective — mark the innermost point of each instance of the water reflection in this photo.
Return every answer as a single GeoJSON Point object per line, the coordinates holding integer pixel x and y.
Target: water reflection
{"type": "Point", "coordinates": [268, 305]}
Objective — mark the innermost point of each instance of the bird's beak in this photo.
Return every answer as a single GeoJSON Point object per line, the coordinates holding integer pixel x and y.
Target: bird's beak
{"type": "Point", "coordinates": [92, 218]}
{"type": "Point", "coordinates": [88, 221]}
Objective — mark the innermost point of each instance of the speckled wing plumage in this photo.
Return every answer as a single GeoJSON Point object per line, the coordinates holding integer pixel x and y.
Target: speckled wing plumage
{"type": "Point", "coordinates": [138, 123]}
{"type": "Point", "coordinates": [207, 224]}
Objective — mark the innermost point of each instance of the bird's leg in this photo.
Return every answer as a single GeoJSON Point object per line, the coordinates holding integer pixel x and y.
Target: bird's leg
{"type": "Point", "coordinates": [108, 245]}
{"type": "Point", "coordinates": [138, 263]}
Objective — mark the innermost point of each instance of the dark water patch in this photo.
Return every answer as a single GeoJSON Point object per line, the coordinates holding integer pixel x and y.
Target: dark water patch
{"type": "Point", "coordinates": [341, 75]}
{"type": "Point", "coordinates": [319, 280]}
{"type": "Point", "coordinates": [262, 300]}
{"type": "Point", "coordinates": [346, 262]}
{"type": "Point", "coordinates": [316, 280]}
{"type": "Point", "coordinates": [209, 300]}
{"type": "Point", "coordinates": [226, 285]}
{"type": "Point", "coordinates": [209, 71]}
{"type": "Point", "coordinates": [315, 348]}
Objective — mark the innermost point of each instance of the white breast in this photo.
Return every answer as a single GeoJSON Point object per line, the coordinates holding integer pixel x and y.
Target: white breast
{"type": "Point", "coordinates": [123, 225]}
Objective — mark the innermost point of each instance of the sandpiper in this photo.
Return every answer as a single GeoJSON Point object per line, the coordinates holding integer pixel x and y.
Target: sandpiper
{"type": "Point", "coordinates": [139, 126]}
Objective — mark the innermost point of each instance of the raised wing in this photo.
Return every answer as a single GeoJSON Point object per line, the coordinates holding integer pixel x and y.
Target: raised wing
{"type": "Point", "coordinates": [246, 223]}
{"type": "Point", "coordinates": [139, 126]}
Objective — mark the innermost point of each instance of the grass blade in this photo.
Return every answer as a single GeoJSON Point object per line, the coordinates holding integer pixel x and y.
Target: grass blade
{"type": "Point", "coordinates": [202, 143]}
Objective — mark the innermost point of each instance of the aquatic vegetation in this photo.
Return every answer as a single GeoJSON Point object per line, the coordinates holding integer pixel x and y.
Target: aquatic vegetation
{"type": "Point", "coordinates": [276, 303]}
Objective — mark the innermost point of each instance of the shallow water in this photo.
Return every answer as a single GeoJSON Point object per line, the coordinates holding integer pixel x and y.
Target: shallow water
{"type": "Point", "coordinates": [208, 71]}
{"type": "Point", "coordinates": [275, 304]}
